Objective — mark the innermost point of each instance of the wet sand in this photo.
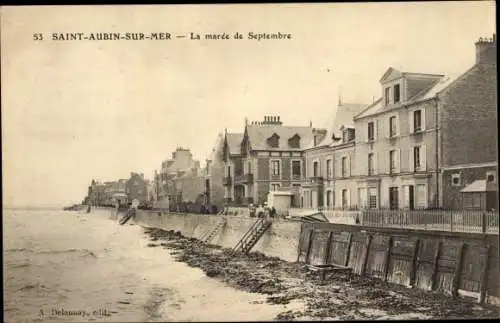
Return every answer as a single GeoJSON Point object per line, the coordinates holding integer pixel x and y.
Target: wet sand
{"type": "Point", "coordinates": [300, 295]}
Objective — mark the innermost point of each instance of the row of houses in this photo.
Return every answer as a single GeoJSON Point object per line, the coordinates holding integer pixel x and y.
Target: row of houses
{"type": "Point", "coordinates": [121, 191]}
{"type": "Point", "coordinates": [429, 141]}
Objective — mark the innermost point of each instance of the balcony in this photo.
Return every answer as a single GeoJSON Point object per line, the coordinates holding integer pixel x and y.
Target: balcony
{"type": "Point", "coordinates": [314, 181]}
{"type": "Point", "coordinates": [244, 179]}
{"type": "Point", "coordinates": [226, 181]}
{"type": "Point", "coordinates": [417, 135]}
{"type": "Point", "coordinates": [393, 139]}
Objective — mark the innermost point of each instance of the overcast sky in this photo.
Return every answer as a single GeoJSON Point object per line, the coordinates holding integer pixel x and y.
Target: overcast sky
{"type": "Point", "coordinates": [77, 110]}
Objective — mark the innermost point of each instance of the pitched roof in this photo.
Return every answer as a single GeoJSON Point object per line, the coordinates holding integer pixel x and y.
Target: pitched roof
{"type": "Point", "coordinates": [258, 135]}
{"type": "Point", "coordinates": [371, 109]}
{"type": "Point", "coordinates": [476, 186]}
{"type": "Point", "coordinates": [391, 73]}
{"type": "Point", "coordinates": [234, 142]}
{"type": "Point", "coordinates": [433, 90]}
{"type": "Point", "coordinates": [343, 116]}
{"type": "Point", "coordinates": [428, 93]}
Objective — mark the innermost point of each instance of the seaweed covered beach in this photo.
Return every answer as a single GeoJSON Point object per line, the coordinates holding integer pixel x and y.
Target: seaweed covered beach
{"type": "Point", "coordinates": [342, 296]}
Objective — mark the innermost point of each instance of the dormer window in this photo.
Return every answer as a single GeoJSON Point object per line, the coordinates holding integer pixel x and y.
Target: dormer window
{"type": "Point", "coordinates": [387, 97]}
{"type": "Point", "coordinates": [397, 93]}
{"type": "Point", "coordinates": [347, 134]}
{"type": "Point", "coordinates": [273, 141]}
{"type": "Point", "coordinates": [294, 142]}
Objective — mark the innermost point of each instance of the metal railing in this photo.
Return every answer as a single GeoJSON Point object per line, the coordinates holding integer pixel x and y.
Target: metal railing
{"type": "Point", "coordinates": [470, 221]}
{"type": "Point", "coordinates": [436, 220]}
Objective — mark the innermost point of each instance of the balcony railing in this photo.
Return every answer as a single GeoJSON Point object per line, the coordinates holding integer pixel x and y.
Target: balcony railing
{"type": "Point", "coordinates": [314, 181]}
{"type": "Point", "coordinates": [244, 178]}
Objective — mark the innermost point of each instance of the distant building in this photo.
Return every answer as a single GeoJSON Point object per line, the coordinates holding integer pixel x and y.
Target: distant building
{"type": "Point", "coordinates": [214, 170]}
{"type": "Point", "coordinates": [97, 193]}
{"type": "Point", "coordinates": [180, 179]}
{"type": "Point", "coordinates": [190, 185]}
{"type": "Point", "coordinates": [137, 188]}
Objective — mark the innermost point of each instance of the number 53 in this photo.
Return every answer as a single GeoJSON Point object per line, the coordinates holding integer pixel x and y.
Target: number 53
{"type": "Point", "coordinates": [37, 37]}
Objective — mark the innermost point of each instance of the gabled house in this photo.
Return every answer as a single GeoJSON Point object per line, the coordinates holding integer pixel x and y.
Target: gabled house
{"type": "Point", "coordinates": [269, 157]}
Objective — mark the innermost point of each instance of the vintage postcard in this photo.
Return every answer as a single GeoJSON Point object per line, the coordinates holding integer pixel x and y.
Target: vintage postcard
{"type": "Point", "coordinates": [250, 162]}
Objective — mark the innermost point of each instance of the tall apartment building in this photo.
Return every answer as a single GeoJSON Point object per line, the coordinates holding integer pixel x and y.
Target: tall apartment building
{"type": "Point", "coordinates": [268, 157]}
{"type": "Point", "coordinates": [427, 135]}
{"type": "Point", "coordinates": [169, 182]}
{"type": "Point", "coordinates": [396, 165]}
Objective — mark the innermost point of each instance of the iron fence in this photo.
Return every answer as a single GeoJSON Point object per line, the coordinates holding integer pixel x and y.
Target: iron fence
{"type": "Point", "coordinates": [438, 220]}
{"type": "Point", "coordinates": [471, 221]}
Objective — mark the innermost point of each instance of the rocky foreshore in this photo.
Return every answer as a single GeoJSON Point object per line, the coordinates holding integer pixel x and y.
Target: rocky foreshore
{"type": "Point", "coordinates": [74, 207]}
{"type": "Point", "coordinates": [342, 296]}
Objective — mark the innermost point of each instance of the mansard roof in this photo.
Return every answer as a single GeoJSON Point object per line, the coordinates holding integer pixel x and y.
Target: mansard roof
{"type": "Point", "coordinates": [258, 135]}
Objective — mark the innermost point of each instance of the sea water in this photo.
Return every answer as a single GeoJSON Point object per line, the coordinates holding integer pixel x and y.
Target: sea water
{"type": "Point", "coordinates": [65, 266]}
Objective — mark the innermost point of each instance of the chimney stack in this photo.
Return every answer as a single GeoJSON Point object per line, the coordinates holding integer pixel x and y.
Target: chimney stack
{"type": "Point", "coordinates": [486, 50]}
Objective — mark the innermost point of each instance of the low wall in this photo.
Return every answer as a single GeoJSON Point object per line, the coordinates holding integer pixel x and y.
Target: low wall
{"type": "Point", "coordinates": [280, 240]}
{"type": "Point", "coordinates": [453, 263]}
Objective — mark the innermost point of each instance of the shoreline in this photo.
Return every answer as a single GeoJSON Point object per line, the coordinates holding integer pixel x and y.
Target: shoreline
{"type": "Point", "coordinates": [342, 296]}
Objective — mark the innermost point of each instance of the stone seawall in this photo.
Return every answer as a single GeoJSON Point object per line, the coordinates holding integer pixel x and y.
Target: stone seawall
{"type": "Point", "coordinates": [280, 240]}
{"type": "Point", "coordinates": [452, 263]}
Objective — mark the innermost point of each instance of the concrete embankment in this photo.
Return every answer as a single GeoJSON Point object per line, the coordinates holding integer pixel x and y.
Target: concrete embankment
{"type": "Point", "coordinates": [451, 263]}
{"type": "Point", "coordinates": [280, 240]}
